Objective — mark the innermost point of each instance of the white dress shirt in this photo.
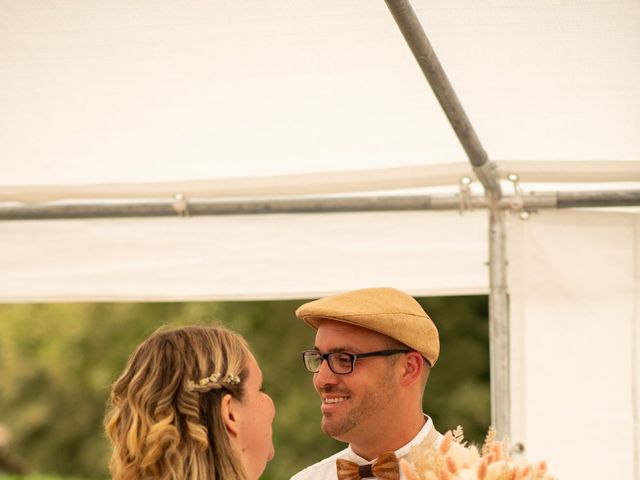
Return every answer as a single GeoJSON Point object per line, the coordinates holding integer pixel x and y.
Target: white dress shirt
{"type": "Point", "coordinates": [326, 469]}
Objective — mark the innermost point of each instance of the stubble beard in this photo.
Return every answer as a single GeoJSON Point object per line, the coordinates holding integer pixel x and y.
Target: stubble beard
{"type": "Point", "coordinates": [376, 399]}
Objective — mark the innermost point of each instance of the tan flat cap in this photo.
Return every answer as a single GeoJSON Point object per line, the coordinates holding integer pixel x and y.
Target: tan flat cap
{"type": "Point", "coordinates": [384, 310]}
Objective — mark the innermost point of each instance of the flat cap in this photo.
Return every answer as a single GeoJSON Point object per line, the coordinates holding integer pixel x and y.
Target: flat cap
{"type": "Point", "coordinates": [383, 310]}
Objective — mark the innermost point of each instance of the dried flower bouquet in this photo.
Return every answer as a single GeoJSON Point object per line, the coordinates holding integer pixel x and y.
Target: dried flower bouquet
{"type": "Point", "coordinates": [454, 460]}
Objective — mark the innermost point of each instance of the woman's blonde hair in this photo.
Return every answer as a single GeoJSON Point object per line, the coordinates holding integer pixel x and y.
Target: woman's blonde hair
{"type": "Point", "coordinates": [164, 419]}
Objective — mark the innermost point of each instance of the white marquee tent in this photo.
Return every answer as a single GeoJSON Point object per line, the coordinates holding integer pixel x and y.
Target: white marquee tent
{"type": "Point", "coordinates": [105, 105]}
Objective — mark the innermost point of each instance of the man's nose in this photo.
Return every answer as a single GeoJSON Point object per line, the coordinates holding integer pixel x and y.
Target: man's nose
{"type": "Point", "coordinates": [324, 375]}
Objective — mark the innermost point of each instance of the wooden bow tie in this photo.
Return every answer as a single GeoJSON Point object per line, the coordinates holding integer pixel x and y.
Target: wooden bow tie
{"type": "Point", "coordinates": [385, 467]}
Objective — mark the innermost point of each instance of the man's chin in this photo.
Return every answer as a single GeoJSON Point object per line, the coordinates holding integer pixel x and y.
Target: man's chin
{"type": "Point", "coordinates": [333, 430]}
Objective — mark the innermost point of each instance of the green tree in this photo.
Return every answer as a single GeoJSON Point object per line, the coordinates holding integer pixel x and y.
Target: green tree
{"type": "Point", "coordinates": [57, 363]}
{"type": "Point", "coordinates": [458, 390]}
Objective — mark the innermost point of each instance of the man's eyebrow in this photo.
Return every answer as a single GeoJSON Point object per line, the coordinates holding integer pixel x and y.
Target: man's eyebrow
{"type": "Point", "coordinates": [333, 350]}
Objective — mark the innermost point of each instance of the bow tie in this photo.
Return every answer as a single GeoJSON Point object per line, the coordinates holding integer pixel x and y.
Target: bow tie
{"type": "Point", "coordinates": [385, 468]}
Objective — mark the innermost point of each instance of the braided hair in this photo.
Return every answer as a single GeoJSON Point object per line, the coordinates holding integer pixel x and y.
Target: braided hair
{"type": "Point", "coordinates": [164, 418]}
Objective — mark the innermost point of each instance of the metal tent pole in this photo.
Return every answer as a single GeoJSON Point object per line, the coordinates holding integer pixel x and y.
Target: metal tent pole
{"type": "Point", "coordinates": [426, 57]}
{"type": "Point", "coordinates": [525, 202]}
{"type": "Point", "coordinates": [413, 33]}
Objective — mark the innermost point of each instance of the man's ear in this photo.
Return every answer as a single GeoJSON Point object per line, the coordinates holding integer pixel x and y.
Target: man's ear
{"type": "Point", "coordinates": [228, 413]}
{"type": "Point", "coordinates": [412, 368]}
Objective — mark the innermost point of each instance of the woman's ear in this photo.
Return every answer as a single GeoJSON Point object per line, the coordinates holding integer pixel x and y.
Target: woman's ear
{"type": "Point", "coordinates": [228, 413]}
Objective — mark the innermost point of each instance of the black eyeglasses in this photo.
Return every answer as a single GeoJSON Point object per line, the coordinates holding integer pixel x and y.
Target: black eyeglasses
{"type": "Point", "coordinates": [341, 363]}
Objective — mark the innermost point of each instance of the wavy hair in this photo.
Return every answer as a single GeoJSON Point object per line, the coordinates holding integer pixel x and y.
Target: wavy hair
{"type": "Point", "coordinates": [165, 424]}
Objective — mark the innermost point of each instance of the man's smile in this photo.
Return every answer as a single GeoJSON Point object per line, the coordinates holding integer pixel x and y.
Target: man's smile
{"type": "Point", "coordinates": [333, 400]}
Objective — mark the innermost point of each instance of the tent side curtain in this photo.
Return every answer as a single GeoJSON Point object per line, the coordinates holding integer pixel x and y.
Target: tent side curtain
{"type": "Point", "coordinates": [574, 283]}
{"type": "Point", "coordinates": [242, 257]}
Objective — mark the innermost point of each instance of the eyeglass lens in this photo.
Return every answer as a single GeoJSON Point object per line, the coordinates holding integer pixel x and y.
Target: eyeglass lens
{"type": "Point", "coordinates": [339, 362]}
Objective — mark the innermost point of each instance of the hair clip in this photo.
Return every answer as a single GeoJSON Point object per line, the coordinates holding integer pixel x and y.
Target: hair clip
{"type": "Point", "coordinates": [231, 379]}
{"type": "Point", "coordinates": [214, 380]}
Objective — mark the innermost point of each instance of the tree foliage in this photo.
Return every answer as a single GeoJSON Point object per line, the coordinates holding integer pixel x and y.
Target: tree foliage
{"type": "Point", "coordinates": [57, 362]}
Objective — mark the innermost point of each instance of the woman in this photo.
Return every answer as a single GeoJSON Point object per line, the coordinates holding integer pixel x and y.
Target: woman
{"type": "Point", "coordinates": [189, 405]}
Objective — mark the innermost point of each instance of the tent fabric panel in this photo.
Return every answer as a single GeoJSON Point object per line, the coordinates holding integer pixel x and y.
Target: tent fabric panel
{"type": "Point", "coordinates": [573, 282]}
{"type": "Point", "coordinates": [302, 184]}
{"type": "Point", "coordinates": [117, 92]}
{"type": "Point", "coordinates": [635, 358]}
{"type": "Point", "coordinates": [387, 179]}
{"type": "Point", "coordinates": [242, 257]}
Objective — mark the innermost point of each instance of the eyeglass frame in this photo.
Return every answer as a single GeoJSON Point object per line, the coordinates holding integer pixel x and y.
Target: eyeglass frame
{"type": "Point", "coordinates": [352, 356]}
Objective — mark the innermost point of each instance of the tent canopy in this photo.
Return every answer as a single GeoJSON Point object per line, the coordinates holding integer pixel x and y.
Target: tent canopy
{"type": "Point", "coordinates": [125, 100]}
{"type": "Point", "coordinates": [127, 94]}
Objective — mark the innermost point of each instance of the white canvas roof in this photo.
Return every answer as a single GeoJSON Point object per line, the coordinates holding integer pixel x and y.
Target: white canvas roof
{"type": "Point", "coordinates": [113, 92]}
{"type": "Point", "coordinates": [120, 101]}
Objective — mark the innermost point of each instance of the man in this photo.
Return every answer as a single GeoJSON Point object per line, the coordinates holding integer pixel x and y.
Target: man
{"type": "Point", "coordinates": [373, 352]}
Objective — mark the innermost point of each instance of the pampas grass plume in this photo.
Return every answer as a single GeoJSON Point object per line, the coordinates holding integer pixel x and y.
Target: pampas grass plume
{"type": "Point", "coordinates": [445, 445]}
{"type": "Point", "coordinates": [451, 464]}
{"type": "Point", "coordinates": [453, 460]}
{"type": "Point", "coordinates": [525, 472]}
{"type": "Point", "coordinates": [445, 475]}
{"type": "Point", "coordinates": [496, 448]}
{"type": "Point", "coordinates": [407, 470]}
{"type": "Point", "coordinates": [498, 470]}
{"type": "Point", "coordinates": [481, 471]}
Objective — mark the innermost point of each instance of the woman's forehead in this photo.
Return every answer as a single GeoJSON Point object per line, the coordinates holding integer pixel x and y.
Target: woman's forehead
{"type": "Point", "coordinates": [253, 367]}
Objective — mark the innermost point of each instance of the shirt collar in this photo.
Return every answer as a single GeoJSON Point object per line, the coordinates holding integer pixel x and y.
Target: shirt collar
{"type": "Point", "coordinates": [402, 451]}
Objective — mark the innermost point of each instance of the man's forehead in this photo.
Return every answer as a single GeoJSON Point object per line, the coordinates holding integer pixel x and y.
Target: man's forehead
{"type": "Point", "coordinates": [346, 333]}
